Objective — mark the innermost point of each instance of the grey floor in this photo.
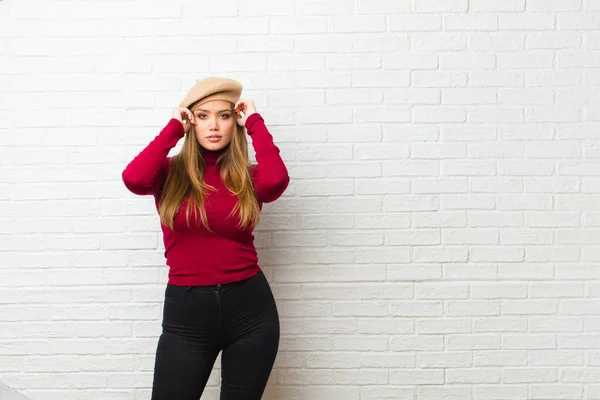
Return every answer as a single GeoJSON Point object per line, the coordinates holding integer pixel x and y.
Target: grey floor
{"type": "Point", "coordinates": [8, 394]}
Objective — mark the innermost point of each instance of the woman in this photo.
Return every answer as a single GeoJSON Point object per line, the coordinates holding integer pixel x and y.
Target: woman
{"type": "Point", "coordinates": [209, 199]}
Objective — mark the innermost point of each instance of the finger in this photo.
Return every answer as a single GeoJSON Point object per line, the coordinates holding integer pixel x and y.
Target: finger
{"type": "Point", "coordinates": [190, 116]}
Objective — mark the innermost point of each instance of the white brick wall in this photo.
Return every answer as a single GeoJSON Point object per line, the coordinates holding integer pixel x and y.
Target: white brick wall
{"type": "Point", "coordinates": [439, 238]}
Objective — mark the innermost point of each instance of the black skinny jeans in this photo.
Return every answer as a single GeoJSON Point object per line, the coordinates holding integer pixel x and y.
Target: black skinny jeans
{"type": "Point", "coordinates": [240, 319]}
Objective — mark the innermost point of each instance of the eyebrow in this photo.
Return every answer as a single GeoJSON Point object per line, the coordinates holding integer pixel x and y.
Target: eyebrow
{"type": "Point", "coordinates": [207, 111]}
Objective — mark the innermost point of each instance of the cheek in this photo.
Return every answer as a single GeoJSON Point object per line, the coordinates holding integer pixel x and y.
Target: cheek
{"type": "Point", "coordinates": [229, 127]}
{"type": "Point", "coordinates": [202, 127]}
{"type": "Point", "coordinates": [228, 138]}
{"type": "Point", "coordinates": [198, 132]}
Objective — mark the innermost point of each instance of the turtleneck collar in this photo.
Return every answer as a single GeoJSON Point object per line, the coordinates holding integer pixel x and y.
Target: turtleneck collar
{"type": "Point", "coordinates": [211, 156]}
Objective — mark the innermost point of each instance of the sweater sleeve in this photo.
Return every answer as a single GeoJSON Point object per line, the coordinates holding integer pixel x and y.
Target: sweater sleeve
{"type": "Point", "coordinates": [270, 176]}
{"type": "Point", "coordinates": [148, 170]}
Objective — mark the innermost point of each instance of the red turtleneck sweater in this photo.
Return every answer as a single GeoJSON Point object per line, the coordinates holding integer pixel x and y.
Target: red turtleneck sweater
{"type": "Point", "coordinates": [196, 256]}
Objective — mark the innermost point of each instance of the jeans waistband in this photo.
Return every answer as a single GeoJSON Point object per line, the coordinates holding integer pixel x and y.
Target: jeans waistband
{"type": "Point", "coordinates": [211, 288]}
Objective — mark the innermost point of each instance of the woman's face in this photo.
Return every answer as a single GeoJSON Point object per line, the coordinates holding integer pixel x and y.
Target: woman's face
{"type": "Point", "coordinates": [215, 124]}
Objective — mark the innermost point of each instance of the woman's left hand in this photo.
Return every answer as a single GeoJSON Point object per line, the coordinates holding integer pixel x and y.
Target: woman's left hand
{"type": "Point", "coordinates": [245, 107]}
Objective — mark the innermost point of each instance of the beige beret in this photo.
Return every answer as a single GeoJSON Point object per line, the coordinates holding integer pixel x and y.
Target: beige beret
{"type": "Point", "coordinates": [212, 88]}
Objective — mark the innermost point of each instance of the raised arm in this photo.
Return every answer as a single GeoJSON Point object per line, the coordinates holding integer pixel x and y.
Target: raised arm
{"type": "Point", "coordinates": [270, 176]}
{"type": "Point", "coordinates": [147, 171]}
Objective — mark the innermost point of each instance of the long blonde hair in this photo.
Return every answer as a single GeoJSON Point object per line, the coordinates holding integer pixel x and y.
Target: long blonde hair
{"type": "Point", "coordinates": [186, 177]}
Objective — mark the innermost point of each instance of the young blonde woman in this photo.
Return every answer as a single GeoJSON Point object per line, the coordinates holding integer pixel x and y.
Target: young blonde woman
{"type": "Point", "coordinates": [209, 199]}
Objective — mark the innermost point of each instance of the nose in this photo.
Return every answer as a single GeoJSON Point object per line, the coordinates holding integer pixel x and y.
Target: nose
{"type": "Point", "coordinates": [214, 124]}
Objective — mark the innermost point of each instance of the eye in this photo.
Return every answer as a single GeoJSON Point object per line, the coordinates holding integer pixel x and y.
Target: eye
{"type": "Point", "coordinates": [225, 115]}
{"type": "Point", "coordinates": [201, 116]}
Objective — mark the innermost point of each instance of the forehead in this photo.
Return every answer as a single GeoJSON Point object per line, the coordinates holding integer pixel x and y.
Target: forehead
{"type": "Point", "coordinates": [215, 105]}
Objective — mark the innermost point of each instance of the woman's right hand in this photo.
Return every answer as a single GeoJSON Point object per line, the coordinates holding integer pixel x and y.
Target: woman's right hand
{"type": "Point", "coordinates": [184, 116]}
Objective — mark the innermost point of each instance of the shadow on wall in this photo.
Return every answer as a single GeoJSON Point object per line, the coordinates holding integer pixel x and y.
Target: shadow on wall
{"type": "Point", "coordinates": [7, 393]}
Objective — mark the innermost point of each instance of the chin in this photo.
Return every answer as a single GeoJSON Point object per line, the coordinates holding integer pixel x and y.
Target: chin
{"type": "Point", "coordinates": [214, 146]}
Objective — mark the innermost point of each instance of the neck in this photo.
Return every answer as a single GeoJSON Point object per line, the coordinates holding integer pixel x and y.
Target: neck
{"type": "Point", "coordinates": [211, 156]}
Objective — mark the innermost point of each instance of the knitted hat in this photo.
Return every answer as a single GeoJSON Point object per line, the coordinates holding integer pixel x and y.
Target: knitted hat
{"type": "Point", "coordinates": [212, 88]}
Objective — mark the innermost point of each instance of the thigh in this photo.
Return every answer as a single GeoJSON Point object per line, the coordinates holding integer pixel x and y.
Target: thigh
{"type": "Point", "coordinates": [254, 331]}
{"type": "Point", "coordinates": [179, 372]}
{"type": "Point", "coordinates": [188, 345]}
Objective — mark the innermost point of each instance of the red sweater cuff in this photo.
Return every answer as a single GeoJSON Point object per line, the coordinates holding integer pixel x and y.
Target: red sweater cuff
{"type": "Point", "coordinates": [176, 126]}
{"type": "Point", "coordinates": [251, 120]}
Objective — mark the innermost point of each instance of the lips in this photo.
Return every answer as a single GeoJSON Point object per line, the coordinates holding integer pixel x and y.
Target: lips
{"type": "Point", "coordinates": [213, 138]}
